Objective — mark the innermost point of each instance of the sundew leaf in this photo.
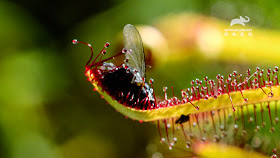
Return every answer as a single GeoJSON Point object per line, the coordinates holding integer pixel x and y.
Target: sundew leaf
{"type": "Point", "coordinates": [254, 96]}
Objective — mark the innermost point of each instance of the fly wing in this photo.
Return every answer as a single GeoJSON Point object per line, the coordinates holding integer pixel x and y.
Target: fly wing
{"type": "Point", "coordinates": [134, 46]}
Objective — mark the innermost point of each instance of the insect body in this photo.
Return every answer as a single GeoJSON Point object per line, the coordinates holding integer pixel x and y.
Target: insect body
{"type": "Point", "coordinates": [120, 84]}
{"type": "Point", "coordinates": [125, 83]}
{"type": "Point", "coordinates": [182, 119]}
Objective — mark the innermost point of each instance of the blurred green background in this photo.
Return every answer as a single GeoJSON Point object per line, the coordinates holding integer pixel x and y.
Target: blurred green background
{"type": "Point", "coordinates": [49, 110]}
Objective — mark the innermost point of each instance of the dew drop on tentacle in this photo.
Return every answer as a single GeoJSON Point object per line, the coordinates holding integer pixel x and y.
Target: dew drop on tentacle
{"type": "Point", "coordinates": [262, 116]}
{"type": "Point", "coordinates": [188, 144]}
{"type": "Point", "coordinates": [107, 44]}
{"type": "Point", "coordinates": [220, 121]}
{"type": "Point", "coordinates": [75, 41]}
{"type": "Point", "coordinates": [274, 156]}
{"type": "Point", "coordinates": [160, 136]}
{"type": "Point", "coordinates": [243, 122]}
{"type": "Point", "coordinates": [165, 93]}
{"type": "Point", "coordinates": [166, 132]}
{"type": "Point", "coordinates": [233, 109]}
